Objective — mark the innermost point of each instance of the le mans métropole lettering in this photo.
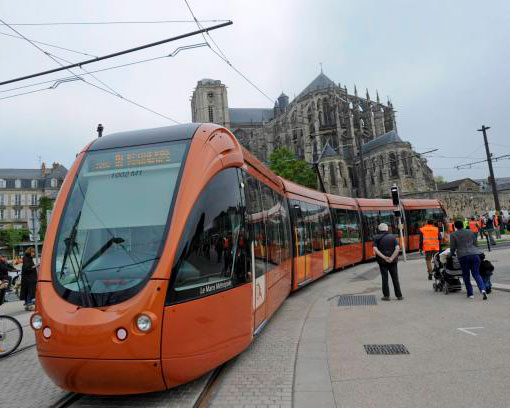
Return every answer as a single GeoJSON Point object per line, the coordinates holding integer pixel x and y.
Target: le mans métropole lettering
{"type": "Point", "coordinates": [214, 287]}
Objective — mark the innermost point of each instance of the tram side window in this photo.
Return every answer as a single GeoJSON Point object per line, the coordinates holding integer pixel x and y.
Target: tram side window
{"type": "Point", "coordinates": [347, 226]}
{"type": "Point", "coordinates": [255, 222]}
{"type": "Point", "coordinates": [415, 220]}
{"type": "Point", "coordinates": [372, 221]}
{"type": "Point", "coordinates": [388, 217]}
{"type": "Point", "coordinates": [272, 221]}
{"type": "Point", "coordinates": [212, 253]}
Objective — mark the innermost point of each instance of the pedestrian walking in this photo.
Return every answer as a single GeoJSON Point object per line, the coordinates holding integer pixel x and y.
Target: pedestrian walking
{"type": "Point", "coordinates": [474, 226]}
{"type": "Point", "coordinates": [489, 229]}
{"type": "Point", "coordinates": [495, 220]}
{"type": "Point", "coordinates": [386, 250]}
{"type": "Point", "coordinates": [463, 244]}
{"type": "Point", "coordinates": [430, 237]}
{"type": "Point", "coordinates": [28, 279]}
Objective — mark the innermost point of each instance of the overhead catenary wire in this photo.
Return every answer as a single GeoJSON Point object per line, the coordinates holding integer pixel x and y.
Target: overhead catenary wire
{"type": "Point", "coordinates": [172, 54]}
{"type": "Point", "coordinates": [115, 54]}
{"type": "Point", "coordinates": [56, 23]}
{"type": "Point", "coordinates": [109, 90]}
{"type": "Point", "coordinates": [223, 57]}
{"type": "Point", "coordinates": [49, 45]}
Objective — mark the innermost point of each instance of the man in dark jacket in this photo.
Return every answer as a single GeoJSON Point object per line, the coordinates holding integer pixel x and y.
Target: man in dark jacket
{"type": "Point", "coordinates": [28, 279]}
{"type": "Point", "coordinates": [386, 250]}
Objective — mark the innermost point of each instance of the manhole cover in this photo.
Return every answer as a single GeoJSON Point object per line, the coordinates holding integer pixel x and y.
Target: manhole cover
{"type": "Point", "coordinates": [356, 300]}
{"type": "Point", "coordinates": [387, 349]}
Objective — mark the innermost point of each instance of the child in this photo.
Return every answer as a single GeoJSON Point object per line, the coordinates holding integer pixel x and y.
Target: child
{"type": "Point", "coordinates": [486, 269]}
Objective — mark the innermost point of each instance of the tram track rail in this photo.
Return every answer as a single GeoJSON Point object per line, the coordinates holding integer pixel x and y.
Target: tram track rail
{"type": "Point", "coordinates": [201, 401]}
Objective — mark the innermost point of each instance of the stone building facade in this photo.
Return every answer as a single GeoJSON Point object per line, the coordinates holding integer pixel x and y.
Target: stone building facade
{"type": "Point", "coordinates": [460, 204]}
{"type": "Point", "coordinates": [354, 139]}
{"type": "Point", "coordinates": [465, 184]}
{"type": "Point", "coordinates": [21, 189]}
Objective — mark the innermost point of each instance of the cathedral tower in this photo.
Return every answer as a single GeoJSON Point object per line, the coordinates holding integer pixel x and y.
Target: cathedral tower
{"type": "Point", "coordinates": [209, 103]}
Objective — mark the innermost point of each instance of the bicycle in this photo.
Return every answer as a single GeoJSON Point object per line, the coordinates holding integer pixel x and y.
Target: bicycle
{"type": "Point", "coordinates": [11, 332]}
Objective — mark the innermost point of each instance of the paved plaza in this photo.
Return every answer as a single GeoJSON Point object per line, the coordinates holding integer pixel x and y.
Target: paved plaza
{"type": "Point", "coordinates": [312, 354]}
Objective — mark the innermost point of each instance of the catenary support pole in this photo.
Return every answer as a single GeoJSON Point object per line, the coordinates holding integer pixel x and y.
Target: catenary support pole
{"type": "Point", "coordinates": [491, 170]}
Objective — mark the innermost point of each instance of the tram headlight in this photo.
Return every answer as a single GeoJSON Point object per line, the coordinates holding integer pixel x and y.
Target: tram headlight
{"type": "Point", "coordinates": [36, 321]}
{"type": "Point", "coordinates": [143, 323]}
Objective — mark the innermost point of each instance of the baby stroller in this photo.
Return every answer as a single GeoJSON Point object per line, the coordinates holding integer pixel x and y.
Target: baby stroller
{"type": "Point", "coordinates": [447, 275]}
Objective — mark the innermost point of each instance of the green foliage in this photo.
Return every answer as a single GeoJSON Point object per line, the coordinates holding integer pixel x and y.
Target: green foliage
{"type": "Point", "coordinates": [11, 236]}
{"type": "Point", "coordinates": [45, 204]}
{"type": "Point", "coordinates": [283, 162]}
{"type": "Point", "coordinates": [440, 180]}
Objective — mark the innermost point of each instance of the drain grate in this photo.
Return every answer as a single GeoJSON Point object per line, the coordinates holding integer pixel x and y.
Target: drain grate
{"type": "Point", "coordinates": [386, 349]}
{"type": "Point", "coordinates": [356, 300]}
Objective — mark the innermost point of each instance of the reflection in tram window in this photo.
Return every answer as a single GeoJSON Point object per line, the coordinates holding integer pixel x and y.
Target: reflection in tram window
{"type": "Point", "coordinates": [374, 218]}
{"type": "Point", "coordinates": [418, 218]}
{"type": "Point", "coordinates": [212, 254]}
{"type": "Point", "coordinates": [255, 222]}
{"type": "Point", "coordinates": [347, 226]}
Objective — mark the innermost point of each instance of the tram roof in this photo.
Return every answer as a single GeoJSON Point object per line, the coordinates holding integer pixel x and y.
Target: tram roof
{"type": "Point", "coordinates": [302, 191]}
{"type": "Point", "coordinates": [336, 200]}
{"type": "Point", "coordinates": [421, 203]}
{"type": "Point", "coordinates": [145, 136]}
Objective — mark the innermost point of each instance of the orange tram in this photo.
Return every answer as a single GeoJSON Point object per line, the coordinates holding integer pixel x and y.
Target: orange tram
{"type": "Point", "coordinates": [169, 249]}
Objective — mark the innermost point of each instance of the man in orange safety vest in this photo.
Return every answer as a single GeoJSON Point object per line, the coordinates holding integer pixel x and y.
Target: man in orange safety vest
{"type": "Point", "coordinates": [430, 238]}
{"type": "Point", "coordinates": [474, 226]}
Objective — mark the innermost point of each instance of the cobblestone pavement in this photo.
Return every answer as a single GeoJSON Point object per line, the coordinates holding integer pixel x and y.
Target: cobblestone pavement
{"type": "Point", "coordinates": [263, 376]}
{"type": "Point", "coordinates": [24, 384]}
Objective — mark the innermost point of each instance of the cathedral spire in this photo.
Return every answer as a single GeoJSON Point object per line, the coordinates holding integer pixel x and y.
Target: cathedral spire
{"type": "Point", "coordinates": [355, 91]}
{"type": "Point", "coordinates": [368, 96]}
{"type": "Point", "coordinates": [377, 93]}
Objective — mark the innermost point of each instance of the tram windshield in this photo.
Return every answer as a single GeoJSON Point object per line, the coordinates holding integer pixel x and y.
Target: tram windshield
{"type": "Point", "coordinates": [113, 226]}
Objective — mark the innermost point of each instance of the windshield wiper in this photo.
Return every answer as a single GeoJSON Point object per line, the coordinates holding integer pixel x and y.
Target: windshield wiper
{"type": "Point", "coordinates": [102, 250]}
{"type": "Point", "coordinates": [70, 243]}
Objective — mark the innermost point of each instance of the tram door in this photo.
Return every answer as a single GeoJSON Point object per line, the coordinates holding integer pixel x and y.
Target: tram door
{"type": "Point", "coordinates": [302, 240]}
{"type": "Point", "coordinates": [257, 230]}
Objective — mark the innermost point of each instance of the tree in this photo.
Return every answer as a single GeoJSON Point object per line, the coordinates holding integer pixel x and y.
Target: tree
{"type": "Point", "coordinates": [45, 204]}
{"type": "Point", "coordinates": [440, 180]}
{"type": "Point", "coordinates": [283, 162]}
{"type": "Point", "coordinates": [11, 237]}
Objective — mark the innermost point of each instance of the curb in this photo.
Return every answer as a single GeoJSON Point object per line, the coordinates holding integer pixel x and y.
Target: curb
{"type": "Point", "coordinates": [500, 286]}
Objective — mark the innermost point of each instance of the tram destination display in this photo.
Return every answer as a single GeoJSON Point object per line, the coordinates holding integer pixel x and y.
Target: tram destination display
{"type": "Point", "coordinates": [137, 157]}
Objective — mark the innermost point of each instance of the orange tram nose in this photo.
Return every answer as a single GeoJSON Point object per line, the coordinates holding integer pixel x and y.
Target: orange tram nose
{"type": "Point", "coordinates": [169, 248]}
{"type": "Point", "coordinates": [111, 350]}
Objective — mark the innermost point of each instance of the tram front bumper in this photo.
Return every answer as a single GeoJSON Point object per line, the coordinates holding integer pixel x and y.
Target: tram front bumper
{"type": "Point", "coordinates": [104, 377]}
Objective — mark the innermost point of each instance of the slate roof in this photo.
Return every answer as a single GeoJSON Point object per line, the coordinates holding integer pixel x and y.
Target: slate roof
{"type": "Point", "coordinates": [249, 115]}
{"type": "Point", "coordinates": [383, 140]}
{"type": "Point", "coordinates": [453, 184]}
{"type": "Point", "coordinates": [321, 82]}
{"type": "Point", "coordinates": [27, 175]}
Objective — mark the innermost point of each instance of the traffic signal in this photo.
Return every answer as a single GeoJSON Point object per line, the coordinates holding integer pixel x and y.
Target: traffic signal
{"type": "Point", "coordinates": [394, 195]}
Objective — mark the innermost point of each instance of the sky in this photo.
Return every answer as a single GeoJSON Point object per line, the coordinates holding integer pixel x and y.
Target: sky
{"type": "Point", "coordinates": [444, 65]}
